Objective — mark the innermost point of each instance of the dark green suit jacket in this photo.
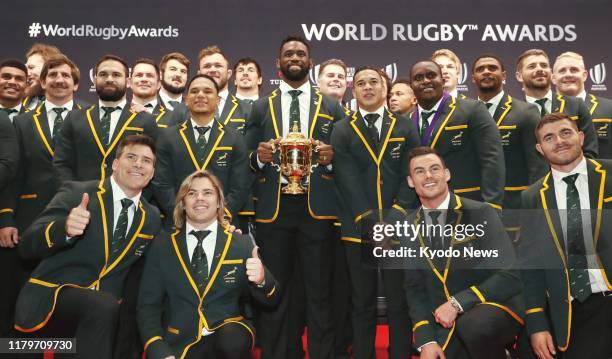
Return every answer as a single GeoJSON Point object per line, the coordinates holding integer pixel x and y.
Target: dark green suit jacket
{"type": "Point", "coordinates": [80, 154]}
{"type": "Point", "coordinates": [516, 121]}
{"type": "Point", "coordinates": [601, 112]}
{"type": "Point", "coordinates": [81, 261]}
{"type": "Point", "coordinates": [578, 111]}
{"type": "Point", "coordinates": [9, 155]}
{"type": "Point", "coordinates": [370, 178]}
{"type": "Point", "coordinates": [543, 253]}
{"type": "Point", "coordinates": [36, 182]}
{"type": "Point", "coordinates": [180, 111]}
{"type": "Point", "coordinates": [468, 140]}
{"type": "Point", "coordinates": [167, 279]}
{"type": "Point", "coordinates": [166, 118]}
{"type": "Point", "coordinates": [235, 113]}
{"type": "Point", "coordinates": [472, 281]}
{"type": "Point", "coordinates": [226, 157]}
{"type": "Point", "coordinates": [265, 123]}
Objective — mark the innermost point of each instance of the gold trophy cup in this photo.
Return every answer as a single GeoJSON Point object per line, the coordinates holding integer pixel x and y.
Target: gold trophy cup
{"type": "Point", "coordinates": [295, 160]}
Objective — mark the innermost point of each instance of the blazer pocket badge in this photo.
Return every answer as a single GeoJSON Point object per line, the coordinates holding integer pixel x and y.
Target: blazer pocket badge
{"type": "Point", "coordinates": [505, 138]}
{"type": "Point", "coordinates": [222, 160]}
{"type": "Point", "coordinates": [140, 248]}
{"type": "Point", "coordinates": [602, 130]}
{"type": "Point", "coordinates": [457, 140]}
{"type": "Point", "coordinates": [396, 151]}
{"type": "Point", "coordinates": [230, 276]}
{"type": "Point", "coordinates": [325, 127]}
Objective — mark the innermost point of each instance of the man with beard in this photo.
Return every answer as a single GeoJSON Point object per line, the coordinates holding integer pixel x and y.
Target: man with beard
{"type": "Point", "coordinates": [13, 75]}
{"type": "Point", "coordinates": [295, 228]}
{"type": "Point", "coordinates": [86, 145]}
{"type": "Point", "coordinates": [35, 59]}
{"type": "Point", "coordinates": [401, 97]}
{"type": "Point", "coordinates": [516, 121]}
{"type": "Point", "coordinates": [569, 75]}
{"type": "Point", "coordinates": [534, 72]}
{"type": "Point", "coordinates": [248, 80]}
{"type": "Point", "coordinates": [231, 111]}
{"type": "Point", "coordinates": [370, 154]}
{"type": "Point", "coordinates": [464, 134]}
{"type": "Point", "coordinates": [451, 70]}
{"type": "Point", "coordinates": [145, 83]}
{"type": "Point", "coordinates": [174, 69]}
{"type": "Point", "coordinates": [565, 246]}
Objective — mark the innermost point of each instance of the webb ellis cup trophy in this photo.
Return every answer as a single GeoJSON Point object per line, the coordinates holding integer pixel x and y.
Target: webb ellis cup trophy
{"type": "Point", "coordinates": [295, 159]}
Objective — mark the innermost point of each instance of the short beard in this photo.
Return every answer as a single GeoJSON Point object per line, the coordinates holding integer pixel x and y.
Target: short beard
{"type": "Point", "coordinates": [300, 76]}
{"type": "Point", "coordinates": [173, 89]}
{"type": "Point", "coordinates": [112, 95]}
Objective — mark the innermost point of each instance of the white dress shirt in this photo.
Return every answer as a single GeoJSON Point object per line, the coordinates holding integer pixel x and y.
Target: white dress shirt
{"type": "Point", "coordinates": [163, 94]}
{"type": "Point", "coordinates": [495, 103]}
{"type": "Point", "coordinates": [250, 98]}
{"type": "Point", "coordinates": [16, 108]}
{"type": "Point", "coordinates": [303, 99]}
{"type": "Point", "coordinates": [434, 109]}
{"type": "Point", "coordinates": [51, 114]}
{"type": "Point", "coordinates": [454, 93]}
{"type": "Point", "coordinates": [114, 115]}
{"type": "Point", "coordinates": [582, 95]}
{"type": "Point", "coordinates": [547, 104]}
{"type": "Point", "coordinates": [222, 100]}
{"type": "Point", "coordinates": [118, 195]}
{"type": "Point", "coordinates": [378, 124]}
{"type": "Point", "coordinates": [582, 184]}
{"type": "Point", "coordinates": [197, 134]}
{"type": "Point", "coordinates": [152, 103]}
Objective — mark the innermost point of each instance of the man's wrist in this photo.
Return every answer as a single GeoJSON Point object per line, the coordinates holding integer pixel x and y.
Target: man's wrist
{"type": "Point", "coordinates": [453, 301]}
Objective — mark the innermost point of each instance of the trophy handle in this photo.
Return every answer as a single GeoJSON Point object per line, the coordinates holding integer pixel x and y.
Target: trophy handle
{"type": "Point", "coordinates": [315, 155]}
{"type": "Point", "coordinates": [275, 149]}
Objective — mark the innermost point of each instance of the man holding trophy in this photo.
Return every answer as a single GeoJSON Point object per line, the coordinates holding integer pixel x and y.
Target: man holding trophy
{"type": "Point", "coordinates": [294, 213]}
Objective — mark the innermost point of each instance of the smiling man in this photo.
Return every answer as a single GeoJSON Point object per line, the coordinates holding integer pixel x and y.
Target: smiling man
{"type": "Point", "coordinates": [534, 72]}
{"type": "Point", "coordinates": [90, 235]}
{"type": "Point", "coordinates": [36, 57]}
{"type": "Point", "coordinates": [464, 134]}
{"type": "Point", "coordinates": [174, 72]}
{"type": "Point", "coordinates": [451, 70]}
{"type": "Point", "coordinates": [332, 79]}
{"type": "Point", "coordinates": [201, 270]}
{"type": "Point", "coordinates": [248, 80]}
{"type": "Point", "coordinates": [569, 76]}
{"type": "Point", "coordinates": [202, 143]}
{"type": "Point", "coordinates": [13, 75]}
{"type": "Point", "coordinates": [86, 145]}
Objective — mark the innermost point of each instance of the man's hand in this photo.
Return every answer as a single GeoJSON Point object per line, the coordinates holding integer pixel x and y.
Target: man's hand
{"type": "Point", "coordinates": [432, 351]}
{"type": "Point", "coordinates": [264, 151]}
{"type": "Point", "coordinates": [136, 107]}
{"type": "Point", "coordinates": [254, 268]}
{"type": "Point", "coordinates": [543, 345]}
{"type": "Point", "coordinates": [326, 152]}
{"type": "Point", "coordinates": [78, 219]}
{"type": "Point", "coordinates": [231, 228]}
{"type": "Point", "coordinates": [9, 237]}
{"type": "Point", "coordinates": [446, 314]}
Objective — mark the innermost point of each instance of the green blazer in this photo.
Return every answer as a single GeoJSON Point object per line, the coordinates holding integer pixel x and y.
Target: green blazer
{"type": "Point", "coordinates": [265, 123]}
{"type": "Point", "coordinates": [226, 157]}
{"type": "Point", "coordinates": [36, 182]}
{"type": "Point", "coordinates": [169, 295]}
{"type": "Point", "coordinates": [79, 153]}
{"type": "Point", "coordinates": [516, 121]}
{"type": "Point", "coordinates": [235, 113]}
{"type": "Point", "coordinates": [164, 117]}
{"type": "Point", "coordinates": [468, 140]}
{"type": "Point", "coordinates": [370, 178]}
{"type": "Point", "coordinates": [601, 111]}
{"type": "Point", "coordinates": [473, 281]}
{"type": "Point", "coordinates": [9, 155]}
{"type": "Point", "coordinates": [82, 261]}
{"type": "Point", "coordinates": [542, 250]}
{"type": "Point", "coordinates": [578, 111]}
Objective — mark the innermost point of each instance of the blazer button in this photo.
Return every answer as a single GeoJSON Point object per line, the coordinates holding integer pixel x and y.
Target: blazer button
{"type": "Point", "coordinates": [105, 165]}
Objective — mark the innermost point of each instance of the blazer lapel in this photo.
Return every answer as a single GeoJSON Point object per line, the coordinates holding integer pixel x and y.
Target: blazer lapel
{"type": "Point", "coordinates": [41, 125]}
{"type": "Point", "coordinates": [122, 119]}
{"type": "Point", "coordinates": [505, 105]}
{"type": "Point", "coordinates": [219, 246]}
{"type": "Point", "coordinates": [93, 116]}
{"type": "Point", "coordinates": [445, 117]}
{"type": "Point", "coordinates": [359, 125]}
{"type": "Point", "coordinates": [315, 104]}
{"type": "Point", "coordinates": [189, 141]}
{"type": "Point", "coordinates": [597, 180]}
{"type": "Point", "coordinates": [228, 109]}
{"type": "Point", "coordinates": [558, 103]}
{"type": "Point", "coordinates": [276, 112]}
{"type": "Point", "coordinates": [551, 210]}
{"type": "Point", "coordinates": [179, 242]}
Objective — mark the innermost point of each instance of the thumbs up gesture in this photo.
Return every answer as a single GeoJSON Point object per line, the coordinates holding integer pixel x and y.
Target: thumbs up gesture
{"type": "Point", "coordinates": [254, 268]}
{"type": "Point", "coordinates": [78, 218]}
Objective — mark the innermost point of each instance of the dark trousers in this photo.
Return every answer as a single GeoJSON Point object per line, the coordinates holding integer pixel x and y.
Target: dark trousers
{"type": "Point", "coordinates": [296, 237]}
{"type": "Point", "coordinates": [591, 331]}
{"type": "Point", "coordinates": [231, 341]}
{"type": "Point", "coordinates": [483, 332]}
{"type": "Point", "coordinates": [14, 271]}
{"type": "Point", "coordinates": [87, 315]}
{"type": "Point", "coordinates": [364, 284]}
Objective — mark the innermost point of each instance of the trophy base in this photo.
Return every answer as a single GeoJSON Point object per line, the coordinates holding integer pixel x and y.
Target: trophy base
{"type": "Point", "coordinates": [294, 188]}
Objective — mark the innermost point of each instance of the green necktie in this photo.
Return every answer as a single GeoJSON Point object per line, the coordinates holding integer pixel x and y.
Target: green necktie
{"type": "Point", "coordinates": [576, 253]}
{"type": "Point", "coordinates": [120, 229]}
{"type": "Point", "coordinates": [199, 263]}
{"type": "Point", "coordinates": [57, 122]}
{"type": "Point", "coordinates": [105, 123]}
{"type": "Point", "coordinates": [542, 103]}
{"type": "Point", "coordinates": [174, 104]}
{"type": "Point", "coordinates": [201, 150]}
{"type": "Point", "coordinates": [371, 120]}
{"type": "Point", "coordinates": [294, 111]}
{"type": "Point", "coordinates": [424, 122]}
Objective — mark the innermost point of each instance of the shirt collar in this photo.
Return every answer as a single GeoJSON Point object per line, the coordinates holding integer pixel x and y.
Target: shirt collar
{"type": "Point", "coordinates": [434, 108]}
{"type": "Point", "coordinates": [194, 124]}
{"type": "Point", "coordinates": [211, 227]}
{"type": "Point", "coordinates": [223, 94]}
{"type": "Point", "coordinates": [50, 106]}
{"type": "Point", "coordinates": [121, 103]}
{"type": "Point", "coordinates": [285, 88]}
{"type": "Point", "coordinates": [118, 193]}
{"type": "Point", "coordinates": [242, 97]}
{"type": "Point", "coordinates": [581, 169]}
{"type": "Point", "coordinates": [533, 99]}
{"type": "Point", "coordinates": [166, 98]}
{"type": "Point", "coordinates": [443, 205]}
{"type": "Point", "coordinates": [380, 112]}
{"type": "Point", "coordinates": [582, 95]}
{"type": "Point", "coordinates": [495, 100]}
{"type": "Point", "coordinates": [454, 93]}
{"type": "Point", "coordinates": [18, 108]}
